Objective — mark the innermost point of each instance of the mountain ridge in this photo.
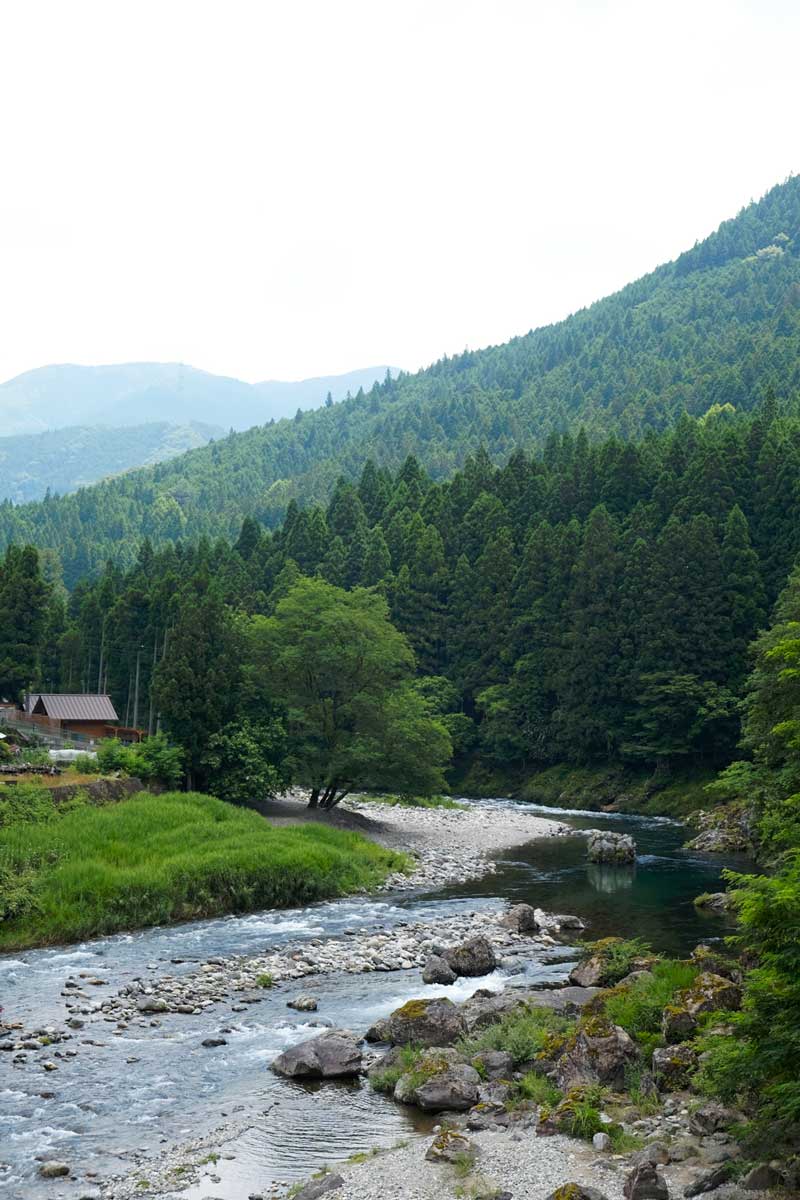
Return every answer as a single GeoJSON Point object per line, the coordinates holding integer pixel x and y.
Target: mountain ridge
{"type": "Point", "coordinates": [62, 395]}
{"type": "Point", "coordinates": [718, 325]}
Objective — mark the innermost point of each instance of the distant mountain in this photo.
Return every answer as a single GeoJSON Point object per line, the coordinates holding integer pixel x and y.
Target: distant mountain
{"type": "Point", "coordinates": [719, 325]}
{"type": "Point", "coordinates": [64, 460]}
{"type": "Point", "coordinates": [58, 396]}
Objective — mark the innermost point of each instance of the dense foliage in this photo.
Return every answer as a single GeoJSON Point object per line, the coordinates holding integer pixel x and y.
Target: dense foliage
{"type": "Point", "coordinates": [591, 604]}
{"type": "Point", "coordinates": [762, 1062]}
{"type": "Point", "coordinates": [717, 326]}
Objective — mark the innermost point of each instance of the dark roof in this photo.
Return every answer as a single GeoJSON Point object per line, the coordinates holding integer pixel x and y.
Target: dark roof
{"type": "Point", "coordinates": [75, 706]}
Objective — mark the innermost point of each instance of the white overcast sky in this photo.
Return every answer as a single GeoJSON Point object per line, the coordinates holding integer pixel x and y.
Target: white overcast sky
{"type": "Point", "coordinates": [285, 188]}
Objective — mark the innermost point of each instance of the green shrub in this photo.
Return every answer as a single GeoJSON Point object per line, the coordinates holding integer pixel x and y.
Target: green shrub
{"type": "Point", "coordinates": [539, 1089]}
{"type": "Point", "coordinates": [265, 981]}
{"type": "Point", "coordinates": [523, 1034]}
{"type": "Point", "coordinates": [153, 760]}
{"type": "Point", "coordinates": [618, 956]}
{"type": "Point", "coordinates": [155, 859]}
{"type": "Point", "coordinates": [417, 801]}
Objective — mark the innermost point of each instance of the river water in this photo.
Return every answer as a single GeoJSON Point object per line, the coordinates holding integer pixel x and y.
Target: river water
{"type": "Point", "coordinates": [151, 1086]}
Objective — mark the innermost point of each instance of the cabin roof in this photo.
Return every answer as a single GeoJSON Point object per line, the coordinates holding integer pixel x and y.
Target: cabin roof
{"type": "Point", "coordinates": [72, 706]}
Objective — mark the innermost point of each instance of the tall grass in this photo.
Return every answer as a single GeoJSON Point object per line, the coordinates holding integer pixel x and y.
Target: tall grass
{"type": "Point", "coordinates": [156, 859]}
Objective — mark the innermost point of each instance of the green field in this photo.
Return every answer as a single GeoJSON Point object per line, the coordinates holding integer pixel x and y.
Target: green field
{"type": "Point", "coordinates": [156, 859]}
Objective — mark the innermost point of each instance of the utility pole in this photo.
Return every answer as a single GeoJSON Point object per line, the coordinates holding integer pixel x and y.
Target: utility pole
{"type": "Point", "coordinates": [152, 670]}
{"type": "Point", "coordinates": [136, 689]}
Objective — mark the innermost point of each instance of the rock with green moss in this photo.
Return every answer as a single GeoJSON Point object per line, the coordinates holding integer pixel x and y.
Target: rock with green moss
{"type": "Point", "coordinates": [672, 1066]}
{"type": "Point", "coordinates": [709, 993]}
{"type": "Point", "coordinates": [600, 1052]}
{"type": "Point", "coordinates": [576, 1191]}
{"type": "Point", "coordinates": [431, 1022]}
{"type": "Point", "coordinates": [450, 1146]}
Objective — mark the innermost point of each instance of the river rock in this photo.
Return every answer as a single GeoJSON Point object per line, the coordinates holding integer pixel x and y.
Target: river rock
{"type": "Point", "coordinates": [645, 1183]}
{"type": "Point", "coordinates": [599, 1053]}
{"type": "Point", "coordinates": [474, 957]}
{"type": "Point", "coordinates": [53, 1170]}
{"type": "Point", "coordinates": [152, 1004]}
{"type": "Point", "coordinates": [618, 849]}
{"type": "Point", "coordinates": [494, 1064]}
{"type": "Point", "coordinates": [453, 1089]}
{"type": "Point", "coordinates": [576, 1191]}
{"type": "Point", "coordinates": [711, 1117]}
{"type": "Point", "coordinates": [451, 1147]}
{"type": "Point", "coordinates": [303, 1003]}
{"type": "Point", "coordinates": [520, 918]}
{"type": "Point", "coordinates": [715, 902]}
{"type": "Point", "coordinates": [332, 1055]}
{"type": "Point", "coordinates": [761, 1178]}
{"type": "Point", "coordinates": [707, 1181]}
{"type": "Point", "coordinates": [708, 993]}
{"type": "Point", "coordinates": [435, 1022]}
{"type": "Point", "coordinates": [379, 1032]}
{"type": "Point", "coordinates": [211, 1043]}
{"type": "Point", "coordinates": [437, 970]}
{"type": "Point", "coordinates": [656, 1154]}
{"type": "Point", "coordinates": [601, 1141]}
{"type": "Point", "coordinates": [588, 973]}
{"type": "Point", "coordinates": [672, 1066]}
{"type": "Point", "coordinates": [319, 1187]}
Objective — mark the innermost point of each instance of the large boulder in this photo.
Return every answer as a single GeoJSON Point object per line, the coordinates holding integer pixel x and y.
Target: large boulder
{"type": "Point", "coordinates": [434, 1022]}
{"type": "Point", "coordinates": [599, 1053]}
{"type": "Point", "coordinates": [520, 918]}
{"type": "Point", "coordinates": [617, 849]}
{"type": "Point", "coordinates": [672, 1066]}
{"type": "Point", "coordinates": [708, 993]}
{"type": "Point", "coordinates": [454, 1089]}
{"type": "Point", "coordinates": [645, 1183]}
{"type": "Point", "coordinates": [436, 970]}
{"type": "Point", "coordinates": [473, 957]}
{"type": "Point", "coordinates": [333, 1055]}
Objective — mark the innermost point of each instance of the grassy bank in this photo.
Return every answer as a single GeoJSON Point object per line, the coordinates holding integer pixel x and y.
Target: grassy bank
{"type": "Point", "coordinates": [155, 859]}
{"type": "Point", "coordinates": [566, 786]}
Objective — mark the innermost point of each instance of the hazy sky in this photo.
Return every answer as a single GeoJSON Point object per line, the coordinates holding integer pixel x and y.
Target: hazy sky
{"type": "Point", "coordinates": [284, 188]}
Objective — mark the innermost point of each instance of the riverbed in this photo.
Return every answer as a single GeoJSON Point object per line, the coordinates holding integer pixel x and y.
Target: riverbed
{"type": "Point", "coordinates": [127, 1095]}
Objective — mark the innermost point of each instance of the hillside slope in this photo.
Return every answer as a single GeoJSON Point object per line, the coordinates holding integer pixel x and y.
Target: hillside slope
{"type": "Point", "coordinates": [66, 459]}
{"type": "Point", "coordinates": [720, 325]}
{"type": "Point", "coordinates": [125, 394]}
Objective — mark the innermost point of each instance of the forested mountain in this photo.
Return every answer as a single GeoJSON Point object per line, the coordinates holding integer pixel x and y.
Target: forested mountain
{"type": "Point", "coordinates": [139, 393]}
{"type": "Point", "coordinates": [60, 461]}
{"type": "Point", "coordinates": [717, 326]}
{"type": "Point", "coordinates": [593, 603]}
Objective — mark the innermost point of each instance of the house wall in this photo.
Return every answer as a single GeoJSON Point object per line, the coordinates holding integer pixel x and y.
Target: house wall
{"type": "Point", "coordinates": [89, 729]}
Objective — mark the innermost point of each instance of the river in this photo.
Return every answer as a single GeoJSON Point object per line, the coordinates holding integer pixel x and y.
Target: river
{"type": "Point", "coordinates": [144, 1089]}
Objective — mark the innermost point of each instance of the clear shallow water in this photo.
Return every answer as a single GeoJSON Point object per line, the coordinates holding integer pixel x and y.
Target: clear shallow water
{"type": "Point", "coordinates": [652, 900]}
{"type": "Point", "coordinates": [105, 1106]}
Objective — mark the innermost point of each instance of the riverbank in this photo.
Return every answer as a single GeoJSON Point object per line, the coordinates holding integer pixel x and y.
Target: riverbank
{"type": "Point", "coordinates": [624, 789]}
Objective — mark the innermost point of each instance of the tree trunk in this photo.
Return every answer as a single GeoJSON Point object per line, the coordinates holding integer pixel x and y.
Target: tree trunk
{"type": "Point", "coordinates": [313, 799]}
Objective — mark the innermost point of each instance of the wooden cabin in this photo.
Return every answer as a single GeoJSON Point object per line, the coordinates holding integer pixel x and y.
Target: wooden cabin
{"type": "Point", "coordinates": [91, 716]}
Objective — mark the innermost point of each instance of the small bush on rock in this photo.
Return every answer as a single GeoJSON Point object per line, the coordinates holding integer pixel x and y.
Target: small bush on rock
{"type": "Point", "coordinates": [524, 1034]}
